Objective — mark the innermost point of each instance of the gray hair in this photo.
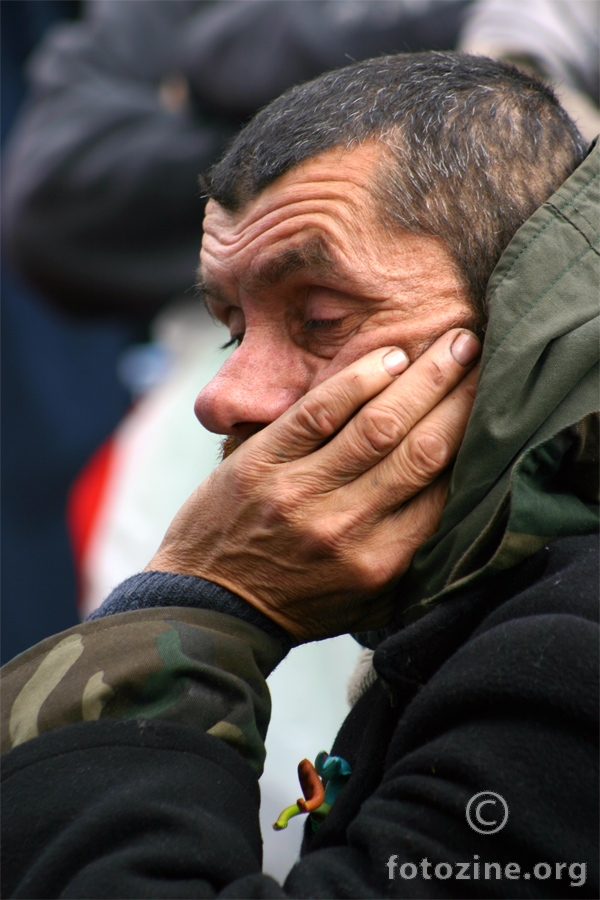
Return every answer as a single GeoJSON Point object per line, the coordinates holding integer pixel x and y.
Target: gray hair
{"type": "Point", "coordinates": [470, 148]}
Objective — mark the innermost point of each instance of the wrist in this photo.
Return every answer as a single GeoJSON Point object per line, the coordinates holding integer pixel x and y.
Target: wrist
{"type": "Point", "coordinates": [152, 588]}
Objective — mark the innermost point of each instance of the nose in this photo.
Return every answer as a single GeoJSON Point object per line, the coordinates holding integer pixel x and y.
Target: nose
{"type": "Point", "coordinates": [258, 382]}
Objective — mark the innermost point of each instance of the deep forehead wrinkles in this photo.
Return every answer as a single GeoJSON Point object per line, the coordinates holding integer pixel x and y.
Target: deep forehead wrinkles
{"type": "Point", "coordinates": [312, 220]}
{"type": "Point", "coordinates": [283, 218]}
{"type": "Point", "coordinates": [338, 184]}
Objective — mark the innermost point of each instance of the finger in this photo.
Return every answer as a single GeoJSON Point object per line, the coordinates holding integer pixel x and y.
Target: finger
{"type": "Point", "coordinates": [389, 550]}
{"type": "Point", "coordinates": [384, 422]}
{"type": "Point", "coordinates": [406, 472]}
{"type": "Point", "coordinates": [318, 415]}
{"type": "Point", "coordinates": [428, 449]}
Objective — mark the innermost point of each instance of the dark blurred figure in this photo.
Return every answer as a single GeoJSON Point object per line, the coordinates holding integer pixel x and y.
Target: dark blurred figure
{"type": "Point", "coordinates": [102, 213]}
{"type": "Point", "coordinates": [129, 105]}
{"type": "Point", "coordinates": [60, 398]}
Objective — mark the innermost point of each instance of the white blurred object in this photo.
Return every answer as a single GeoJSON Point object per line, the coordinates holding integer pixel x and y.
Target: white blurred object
{"type": "Point", "coordinates": [559, 38]}
{"type": "Point", "coordinates": [160, 454]}
{"type": "Point", "coordinates": [308, 690]}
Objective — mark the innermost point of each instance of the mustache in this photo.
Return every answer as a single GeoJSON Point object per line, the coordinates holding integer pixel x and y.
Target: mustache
{"type": "Point", "coordinates": [230, 444]}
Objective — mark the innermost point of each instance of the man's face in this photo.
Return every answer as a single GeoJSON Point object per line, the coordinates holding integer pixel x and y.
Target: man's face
{"type": "Point", "coordinates": [308, 279]}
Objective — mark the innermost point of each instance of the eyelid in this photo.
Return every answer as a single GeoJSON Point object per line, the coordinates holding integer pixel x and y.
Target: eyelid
{"type": "Point", "coordinates": [327, 303]}
{"type": "Point", "coordinates": [213, 311]}
{"type": "Point", "coordinates": [316, 324]}
{"type": "Point", "coordinates": [233, 317]}
{"type": "Point", "coordinates": [218, 311]}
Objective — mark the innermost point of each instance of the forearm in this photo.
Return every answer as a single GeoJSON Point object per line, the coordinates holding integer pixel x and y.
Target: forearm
{"type": "Point", "coordinates": [142, 806]}
{"type": "Point", "coordinates": [158, 648]}
{"type": "Point", "coordinates": [140, 736]}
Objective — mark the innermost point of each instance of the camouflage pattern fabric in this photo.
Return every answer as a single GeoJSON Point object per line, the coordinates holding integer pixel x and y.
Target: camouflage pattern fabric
{"type": "Point", "coordinates": [527, 471]}
{"type": "Point", "coordinates": [192, 666]}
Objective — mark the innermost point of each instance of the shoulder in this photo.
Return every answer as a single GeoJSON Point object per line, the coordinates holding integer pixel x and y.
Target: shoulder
{"type": "Point", "coordinates": [496, 691]}
{"type": "Point", "coordinates": [527, 638]}
{"type": "Point", "coordinates": [536, 652]}
{"type": "Point", "coordinates": [567, 585]}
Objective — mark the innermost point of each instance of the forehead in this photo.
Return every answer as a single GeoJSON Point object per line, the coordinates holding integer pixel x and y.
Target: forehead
{"type": "Point", "coordinates": [338, 169]}
{"type": "Point", "coordinates": [316, 205]}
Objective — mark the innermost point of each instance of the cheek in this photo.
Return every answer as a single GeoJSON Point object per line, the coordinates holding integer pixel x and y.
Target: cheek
{"type": "Point", "coordinates": [413, 334]}
{"type": "Point", "coordinates": [360, 345]}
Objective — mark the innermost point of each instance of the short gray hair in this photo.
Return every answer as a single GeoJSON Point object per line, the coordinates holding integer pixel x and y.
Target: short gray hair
{"type": "Point", "coordinates": [471, 147]}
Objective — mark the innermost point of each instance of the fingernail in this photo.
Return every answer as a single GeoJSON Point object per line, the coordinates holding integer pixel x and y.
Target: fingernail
{"type": "Point", "coordinates": [465, 348]}
{"type": "Point", "coordinates": [395, 361]}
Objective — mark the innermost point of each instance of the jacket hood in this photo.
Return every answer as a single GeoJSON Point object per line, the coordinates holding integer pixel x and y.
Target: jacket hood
{"type": "Point", "coordinates": [527, 471]}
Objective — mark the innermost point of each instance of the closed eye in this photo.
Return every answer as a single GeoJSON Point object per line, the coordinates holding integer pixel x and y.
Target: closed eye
{"type": "Point", "coordinates": [321, 324]}
{"type": "Point", "coordinates": [324, 337]}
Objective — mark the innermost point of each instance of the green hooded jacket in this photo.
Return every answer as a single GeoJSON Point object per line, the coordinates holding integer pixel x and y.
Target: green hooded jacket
{"type": "Point", "coordinates": [527, 471]}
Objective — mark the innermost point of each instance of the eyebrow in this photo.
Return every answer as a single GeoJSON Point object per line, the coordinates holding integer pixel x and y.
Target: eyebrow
{"type": "Point", "coordinates": [313, 256]}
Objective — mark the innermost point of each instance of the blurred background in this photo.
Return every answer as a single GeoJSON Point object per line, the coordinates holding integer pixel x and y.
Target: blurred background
{"type": "Point", "coordinates": [110, 110]}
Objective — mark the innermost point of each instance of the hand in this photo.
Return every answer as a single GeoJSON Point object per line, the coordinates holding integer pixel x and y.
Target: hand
{"type": "Point", "coordinates": [312, 518]}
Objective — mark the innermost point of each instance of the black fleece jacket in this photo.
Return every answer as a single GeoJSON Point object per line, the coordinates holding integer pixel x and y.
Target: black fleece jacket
{"type": "Point", "coordinates": [493, 691]}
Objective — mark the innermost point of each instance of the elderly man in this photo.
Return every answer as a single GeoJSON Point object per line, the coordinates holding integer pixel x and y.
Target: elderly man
{"type": "Point", "coordinates": [352, 230]}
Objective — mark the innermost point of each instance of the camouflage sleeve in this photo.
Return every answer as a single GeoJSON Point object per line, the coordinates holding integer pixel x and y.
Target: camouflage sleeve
{"type": "Point", "coordinates": [198, 667]}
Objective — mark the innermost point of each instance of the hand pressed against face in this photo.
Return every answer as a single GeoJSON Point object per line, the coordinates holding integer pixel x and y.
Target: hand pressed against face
{"type": "Point", "coordinates": [323, 510]}
{"type": "Point", "coordinates": [308, 280]}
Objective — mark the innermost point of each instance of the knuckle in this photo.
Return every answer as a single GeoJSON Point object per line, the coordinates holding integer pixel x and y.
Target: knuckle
{"type": "Point", "coordinates": [370, 572]}
{"type": "Point", "coordinates": [316, 418]}
{"type": "Point", "coordinates": [329, 535]}
{"type": "Point", "coordinates": [322, 538]}
{"type": "Point", "coordinates": [326, 535]}
{"type": "Point", "coordinates": [435, 374]}
{"type": "Point", "coordinates": [381, 429]}
{"type": "Point", "coordinates": [428, 452]}
{"type": "Point", "coordinates": [279, 503]}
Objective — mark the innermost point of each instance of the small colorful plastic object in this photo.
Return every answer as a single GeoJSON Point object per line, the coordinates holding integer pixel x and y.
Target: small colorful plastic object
{"type": "Point", "coordinates": [320, 786]}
